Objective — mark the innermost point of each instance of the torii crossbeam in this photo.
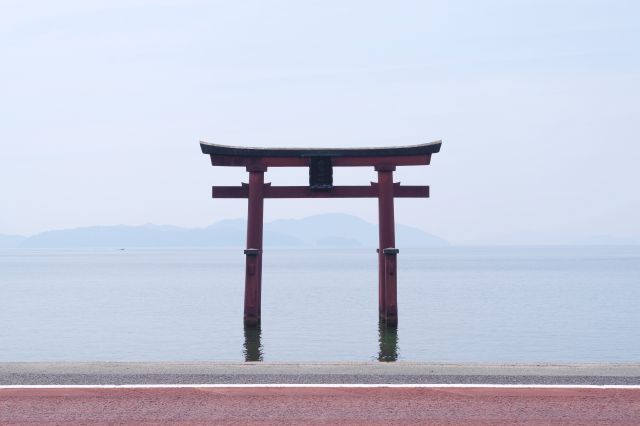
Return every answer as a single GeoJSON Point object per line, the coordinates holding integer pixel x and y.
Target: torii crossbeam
{"type": "Point", "coordinates": [320, 162]}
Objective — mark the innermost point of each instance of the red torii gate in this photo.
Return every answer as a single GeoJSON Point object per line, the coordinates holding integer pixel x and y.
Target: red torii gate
{"type": "Point", "coordinates": [321, 162]}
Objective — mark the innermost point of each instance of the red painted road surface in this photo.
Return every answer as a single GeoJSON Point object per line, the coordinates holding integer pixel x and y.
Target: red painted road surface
{"type": "Point", "coordinates": [350, 406]}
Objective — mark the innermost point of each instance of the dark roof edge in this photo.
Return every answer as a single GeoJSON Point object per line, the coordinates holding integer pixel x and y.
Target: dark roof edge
{"type": "Point", "coordinates": [238, 151]}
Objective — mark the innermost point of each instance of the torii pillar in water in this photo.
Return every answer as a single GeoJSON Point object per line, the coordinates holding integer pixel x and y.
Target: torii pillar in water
{"type": "Point", "coordinates": [320, 162]}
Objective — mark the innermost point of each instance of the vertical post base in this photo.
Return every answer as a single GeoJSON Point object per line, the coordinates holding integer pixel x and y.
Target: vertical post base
{"type": "Point", "coordinates": [251, 321]}
{"type": "Point", "coordinates": [390, 314]}
{"type": "Point", "coordinates": [252, 288]}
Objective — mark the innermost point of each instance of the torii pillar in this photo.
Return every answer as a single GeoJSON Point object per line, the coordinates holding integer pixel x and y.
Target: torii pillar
{"type": "Point", "coordinates": [320, 162]}
{"type": "Point", "coordinates": [253, 252]}
{"type": "Point", "coordinates": [387, 251]}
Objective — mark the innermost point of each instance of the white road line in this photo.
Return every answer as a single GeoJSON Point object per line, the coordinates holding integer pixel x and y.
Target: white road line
{"type": "Point", "coordinates": [319, 385]}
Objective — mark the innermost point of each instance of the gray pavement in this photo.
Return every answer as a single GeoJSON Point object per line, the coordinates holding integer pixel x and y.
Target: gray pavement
{"type": "Point", "coordinates": [121, 373]}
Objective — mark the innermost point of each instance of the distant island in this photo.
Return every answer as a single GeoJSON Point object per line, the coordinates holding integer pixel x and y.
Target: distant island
{"type": "Point", "coordinates": [325, 230]}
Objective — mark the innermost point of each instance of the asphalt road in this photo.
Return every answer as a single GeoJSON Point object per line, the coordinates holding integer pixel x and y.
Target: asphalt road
{"type": "Point", "coordinates": [315, 373]}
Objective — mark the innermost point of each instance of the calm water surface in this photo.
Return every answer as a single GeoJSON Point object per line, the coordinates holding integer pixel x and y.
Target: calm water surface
{"type": "Point", "coordinates": [537, 304]}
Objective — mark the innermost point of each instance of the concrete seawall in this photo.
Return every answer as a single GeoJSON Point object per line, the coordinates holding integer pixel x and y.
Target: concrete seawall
{"type": "Point", "coordinates": [123, 373]}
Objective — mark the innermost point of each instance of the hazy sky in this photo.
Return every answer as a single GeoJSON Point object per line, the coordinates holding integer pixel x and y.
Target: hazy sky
{"type": "Point", "coordinates": [102, 105]}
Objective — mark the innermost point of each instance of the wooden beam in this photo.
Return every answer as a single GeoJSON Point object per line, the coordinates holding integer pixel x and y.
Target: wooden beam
{"type": "Point", "coordinates": [371, 191]}
{"type": "Point", "coordinates": [402, 160]}
{"type": "Point", "coordinates": [238, 161]}
{"type": "Point", "coordinates": [230, 191]}
{"type": "Point", "coordinates": [335, 192]}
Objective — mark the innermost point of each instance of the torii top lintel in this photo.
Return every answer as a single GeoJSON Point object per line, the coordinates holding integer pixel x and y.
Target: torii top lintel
{"type": "Point", "coordinates": [410, 155]}
{"type": "Point", "coordinates": [320, 162]}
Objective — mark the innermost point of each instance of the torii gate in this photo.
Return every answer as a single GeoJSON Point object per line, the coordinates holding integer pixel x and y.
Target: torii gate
{"type": "Point", "coordinates": [320, 162]}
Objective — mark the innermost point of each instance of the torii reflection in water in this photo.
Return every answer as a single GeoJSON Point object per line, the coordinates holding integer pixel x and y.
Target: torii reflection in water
{"type": "Point", "coordinates": [252, 349]}
{"type": "Point", "coordinates": [387, 339]}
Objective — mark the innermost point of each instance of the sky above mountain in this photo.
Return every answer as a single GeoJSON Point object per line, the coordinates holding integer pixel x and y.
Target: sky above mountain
{"type": "Point", "coordinates": [103, 104]}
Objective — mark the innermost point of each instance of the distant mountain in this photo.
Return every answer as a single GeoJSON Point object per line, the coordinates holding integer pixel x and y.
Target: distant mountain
{"type": "Point", "coordinates": [343, 230]}
{"type": "Point", "coordinates": [327, 230]}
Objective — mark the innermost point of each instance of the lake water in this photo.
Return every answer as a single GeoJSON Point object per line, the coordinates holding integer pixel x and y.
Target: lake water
{"type": "Point", "coordinates": [512, 304]}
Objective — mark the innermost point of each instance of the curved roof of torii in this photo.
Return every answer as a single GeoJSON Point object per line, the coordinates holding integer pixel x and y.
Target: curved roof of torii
{"type": "Point", "coordinates": [237, 151]}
